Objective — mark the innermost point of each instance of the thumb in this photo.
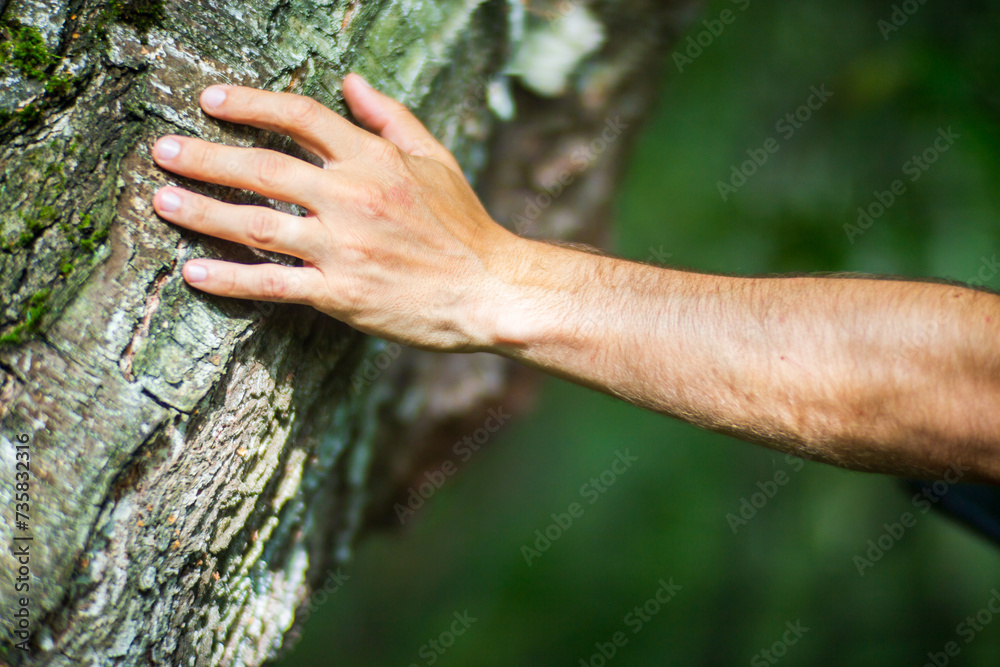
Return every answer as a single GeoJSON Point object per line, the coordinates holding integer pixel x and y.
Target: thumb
{"type": "Point", "coordinates": [392, 121]}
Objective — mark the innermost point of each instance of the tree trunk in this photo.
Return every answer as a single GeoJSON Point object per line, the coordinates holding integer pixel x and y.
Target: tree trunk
{"type": "Point", "coordinates": [198, 465]}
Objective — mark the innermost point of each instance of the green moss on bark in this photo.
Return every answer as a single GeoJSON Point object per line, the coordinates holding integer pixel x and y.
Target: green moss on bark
{"type": "Point", "coordinates": [31, 320]}
{"type": "Point", "coordinates": [143, 15]}
{"type": "Point", "coordinates": [24, 47]}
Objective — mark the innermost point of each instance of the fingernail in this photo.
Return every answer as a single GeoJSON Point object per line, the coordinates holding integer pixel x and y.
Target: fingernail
{"type": "Point", "coordinates": [213, 97]}
{"type": "Point", "coordinates": [195, 273]}
{"type": "Point", "coordinates": [169, 201]}
{"type": "Point", "coordinates": [167, 149]}
{"type": "Point", "coordinates": [362, 80]}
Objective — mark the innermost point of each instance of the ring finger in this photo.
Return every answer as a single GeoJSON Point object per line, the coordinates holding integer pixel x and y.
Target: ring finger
{"type": "Point", "coordinates": [256, 226]}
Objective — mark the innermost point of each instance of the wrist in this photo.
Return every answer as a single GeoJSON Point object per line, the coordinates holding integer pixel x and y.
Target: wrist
{"type": "Point", "coordinates": [533, 290]}
{"type": "Point", "coordinates": [496, 302]}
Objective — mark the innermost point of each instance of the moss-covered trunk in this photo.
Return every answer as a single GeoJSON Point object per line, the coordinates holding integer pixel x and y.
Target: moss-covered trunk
{"type": "Point", "coordinates": [196, 465]}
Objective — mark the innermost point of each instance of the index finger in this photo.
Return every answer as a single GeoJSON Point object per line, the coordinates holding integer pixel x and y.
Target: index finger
{"type": "Point", "coordinates": [319, 130]}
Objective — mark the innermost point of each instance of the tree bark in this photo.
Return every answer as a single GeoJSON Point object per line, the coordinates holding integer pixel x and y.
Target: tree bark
{"type": "Point", "coordinates": [199, 466]}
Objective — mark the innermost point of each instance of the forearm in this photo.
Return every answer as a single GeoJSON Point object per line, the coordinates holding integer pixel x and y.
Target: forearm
{"type": "Point", "coordinates": [876, 375]}
{"type": "Point", "coordinates": [882, 375]}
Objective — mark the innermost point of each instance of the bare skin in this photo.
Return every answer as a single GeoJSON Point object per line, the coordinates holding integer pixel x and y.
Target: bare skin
{"type": "Point", "coordinates": [881, 375]}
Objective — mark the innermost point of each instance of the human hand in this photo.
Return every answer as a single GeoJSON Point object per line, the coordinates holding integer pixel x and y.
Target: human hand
{"type": "Point", "coordinates": [395, 242]}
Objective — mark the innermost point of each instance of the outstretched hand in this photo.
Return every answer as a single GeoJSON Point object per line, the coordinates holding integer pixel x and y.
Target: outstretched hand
{"type": "Point", "coordinates": [395, 242]}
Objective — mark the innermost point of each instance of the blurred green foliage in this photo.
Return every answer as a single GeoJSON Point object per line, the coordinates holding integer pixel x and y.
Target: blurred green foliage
{"type": "Point", "coordinates": [665, 517]}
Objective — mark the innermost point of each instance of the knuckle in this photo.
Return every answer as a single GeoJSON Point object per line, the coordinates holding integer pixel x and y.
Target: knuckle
{"type": "Point", "coordinates": [349, 296]}
{"type": "Point", "coordinates": [371, 200]}
{"type": "Point", "coordinates": [273, 285]}
{"type": "Point", "coordinates": [230, 281]}
{"type": "Point", "coordinates": [262, 227]}
{"type": "Point", "coordinates": [204, 159]}
{"type": "Point", "coordinates": [302, 111]}
{"type": "Point", "coordinates": [196, 210]}
{"type": "Point", "coordinates": [269, 169]}
{"type": "Point", "coordinates": [386, 153]}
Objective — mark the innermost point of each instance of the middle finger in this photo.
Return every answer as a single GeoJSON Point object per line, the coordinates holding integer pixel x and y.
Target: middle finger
{"type": "Point", "coordinates": [257, 226]}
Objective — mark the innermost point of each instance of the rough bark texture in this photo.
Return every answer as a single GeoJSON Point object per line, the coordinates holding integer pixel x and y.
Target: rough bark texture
{"type": "Point", "coordinates": [199, 465]}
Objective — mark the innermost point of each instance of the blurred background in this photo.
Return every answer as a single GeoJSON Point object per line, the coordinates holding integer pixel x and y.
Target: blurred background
{"type": "Point", "coordinates": [670, 515]}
